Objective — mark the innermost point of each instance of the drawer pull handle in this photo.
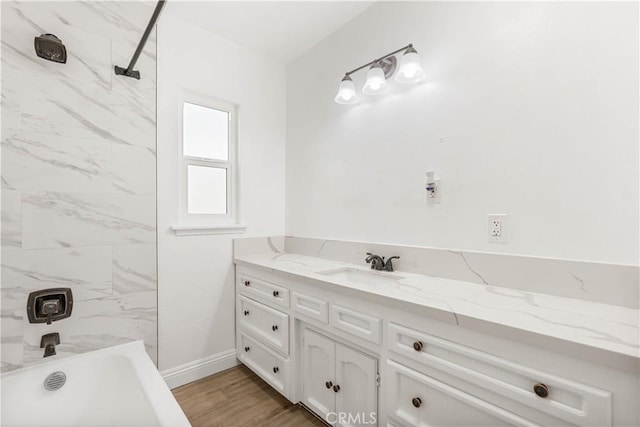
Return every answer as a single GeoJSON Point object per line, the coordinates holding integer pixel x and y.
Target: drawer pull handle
{"type": "Point", "coordinates": [247, 282]}
{"type": "Point", "coordinates": [275, 369]}
{"type": "Point", "coordinates": [416, 401]}
{"type": "Point", "coordinates": [246, 312]}
{"type": "Point", "coordinates": [274, 328]}
{"type": "Point", "coordinates": [328, 384]}
{"type": "Point", "coordinates": [418, 346]}
{"type": "Point", "coordinates": [247, 349]}
{"type": "Point", "coordinates": [336, 388]}
{"type": "Point", "coordinates": [541, 390]}
{"type": "Point", "coordinates": [276, 293]}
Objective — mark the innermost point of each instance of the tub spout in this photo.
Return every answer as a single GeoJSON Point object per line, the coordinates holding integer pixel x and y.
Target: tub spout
{"type": "Point", "coordinates": [49, 342]}
{"type": "Point", "coordinates": [49, 350]}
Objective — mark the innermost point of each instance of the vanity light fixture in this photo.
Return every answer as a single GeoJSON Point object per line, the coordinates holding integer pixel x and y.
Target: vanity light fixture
{"type": "Point", "coordinates": [346, 92]}
{"type": "Point", "coordinates": [376, 81]}
{"type": "Point", "coordinates": [410, 68]}
{"type": "Point", "coordinates": [381, 69]}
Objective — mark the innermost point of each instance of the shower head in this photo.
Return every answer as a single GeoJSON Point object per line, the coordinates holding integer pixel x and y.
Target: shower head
{"type": "Point", "coordinates": [51, 48]}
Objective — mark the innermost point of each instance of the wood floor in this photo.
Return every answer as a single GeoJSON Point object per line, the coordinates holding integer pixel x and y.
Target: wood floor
{"type": "Point", "coordinates": [238, 398]}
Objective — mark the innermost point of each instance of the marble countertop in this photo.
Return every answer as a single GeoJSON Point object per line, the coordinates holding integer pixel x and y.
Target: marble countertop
{"type": "Point", "coordinates": [610, 328]}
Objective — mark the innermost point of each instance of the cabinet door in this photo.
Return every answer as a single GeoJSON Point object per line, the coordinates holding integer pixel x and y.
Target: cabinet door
{"type": "Point", "coordinates": [421, 401]}
{"type": "Point", "coordinates": [357, 398]}
{"type": "Point", "coordinates": [318, 372]}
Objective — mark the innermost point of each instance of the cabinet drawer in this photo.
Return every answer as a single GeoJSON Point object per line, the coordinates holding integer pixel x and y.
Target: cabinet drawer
{"type": "Point", "coordinates": [356, 323]}
{"type": "Point", "coordinates": [418, 400]}
{"type": "Point", "coordinates": [310, 306]}
{"type": "Point", "coordinates": [569, 401]}
{"type": "Point", "coordinates": [269, 366]}
{"type": "Point", "coordinates": [267, 324]}
{"type": "Point", "coordinates": [260, 290]}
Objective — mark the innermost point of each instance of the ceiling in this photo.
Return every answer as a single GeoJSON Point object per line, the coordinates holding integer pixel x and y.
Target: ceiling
{"type": "Point", "coordinates": [282, 29]}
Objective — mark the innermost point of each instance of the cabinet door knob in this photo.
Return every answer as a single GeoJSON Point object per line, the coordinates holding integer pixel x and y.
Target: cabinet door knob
{"type": "Point", "coordinates": [247, 282]}
{"type": "Point", "coordinates": [328, 384]}
{"type": "Point", "coordinates": [274, 328]}
{"type": "Point", "coordinates": [247, 349]}
{"type": "Point", "coordinates": [418, 346]}
{"type": "Point", "coordinates": [276, 293]}
{"type": "Point", "coordinates": [416, 401]}
{"type": "Point", "coordinates": [275, 369]}
{"type": "Point", "coordinates": [336, 388]}
{"type": "Point", "coordinates": [542, 390]}
{"type": "Point", "coordinates": [246, 312]}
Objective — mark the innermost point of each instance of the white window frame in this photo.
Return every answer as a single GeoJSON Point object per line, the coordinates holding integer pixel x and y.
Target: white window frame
{"type": "Point", "coordinates": [189, 223]}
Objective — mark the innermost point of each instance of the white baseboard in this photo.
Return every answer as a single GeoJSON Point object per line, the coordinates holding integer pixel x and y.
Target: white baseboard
{"type": "Point", "coordinates": [192, 371]}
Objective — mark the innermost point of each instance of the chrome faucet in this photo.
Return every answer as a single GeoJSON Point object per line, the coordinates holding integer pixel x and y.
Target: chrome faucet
{"type": "Point", "coordinates": [378, 263]}
{"type": "Point", "coordinates": [49, 343]}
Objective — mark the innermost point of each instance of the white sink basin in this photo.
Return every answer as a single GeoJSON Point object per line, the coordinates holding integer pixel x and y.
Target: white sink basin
{"type": "Point", "coordinates": [364, 277]}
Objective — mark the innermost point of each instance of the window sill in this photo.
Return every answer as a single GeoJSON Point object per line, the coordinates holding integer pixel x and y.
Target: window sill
{"type": "Point", "coordinates": [197, 230]}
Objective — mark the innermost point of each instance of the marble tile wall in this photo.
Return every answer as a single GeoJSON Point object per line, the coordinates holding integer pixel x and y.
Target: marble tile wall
{"type": "Point", "coordinates": [78, 177]}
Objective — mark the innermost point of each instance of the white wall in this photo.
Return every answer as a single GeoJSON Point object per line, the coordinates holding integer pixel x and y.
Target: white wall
{"type": "Point", "coordinates": [538, 105]}
{"type": "Point", "coordinates": [195, 274]}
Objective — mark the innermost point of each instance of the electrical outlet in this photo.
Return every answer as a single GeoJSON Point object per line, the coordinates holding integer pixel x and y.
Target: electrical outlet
{"type": "Point", "coordinates": [497, 227]}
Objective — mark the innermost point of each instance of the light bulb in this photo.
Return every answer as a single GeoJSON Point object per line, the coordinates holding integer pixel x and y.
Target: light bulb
{"type": "Point", "coordinates": [410, 70]}
{"type": "Point", "coordinates": [346, 92]}
{"type": "Point", "coordinates": [376, 82]}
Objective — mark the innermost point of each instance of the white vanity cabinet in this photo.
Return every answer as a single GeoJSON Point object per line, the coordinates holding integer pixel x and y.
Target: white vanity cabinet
{"type": "Point", "coordinates": [338, 382]}
{"type": "Point", "coordinates": [346, 354]}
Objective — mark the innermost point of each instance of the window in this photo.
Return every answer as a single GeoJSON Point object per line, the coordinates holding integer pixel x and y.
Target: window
{"type": "Point", "coordinates": [208, 164]}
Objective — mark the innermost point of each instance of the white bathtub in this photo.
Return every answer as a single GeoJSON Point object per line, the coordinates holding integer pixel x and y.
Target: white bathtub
{"type": "Point", "coordinates": [116, 386]}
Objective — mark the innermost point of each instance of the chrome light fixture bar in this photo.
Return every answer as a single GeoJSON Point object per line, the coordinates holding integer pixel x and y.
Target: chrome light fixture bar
{"type": "Point", "coordinates": [381, 69]}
